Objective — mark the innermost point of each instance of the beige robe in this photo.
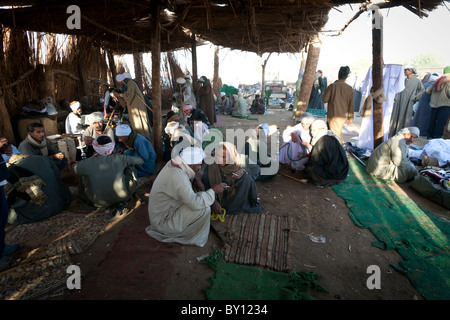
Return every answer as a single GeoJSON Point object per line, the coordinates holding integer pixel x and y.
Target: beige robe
{"type": "Point", "coordinates": [339, 96]}
{"type": "Point", "coordinates": [390, 160]}
{"type": "Point", "coordinates": [176, 212]}
{"type": "Point", "coordinates": [137, 109]}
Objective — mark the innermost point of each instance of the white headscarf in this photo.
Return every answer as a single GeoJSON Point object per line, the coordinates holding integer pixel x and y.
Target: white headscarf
{"type": "Point", "coordinates": [120, 77]}
{"type": "Point", "coordinates": [411, 130]}
{"type": "Point", "coordinates": [123, 130]}
{"type": "Point", "coordinates": [171, 127]}
{"type": "Point", "coordinates": [75, 105]}
{"type": "Point", "coordinates": [95, 117]}
{"type": "Point", "coordinates": [105, 149]}
{"type": "Point", "coordinates": [192, 155]}
{"type": "Point", "coordinates": [307, 118]}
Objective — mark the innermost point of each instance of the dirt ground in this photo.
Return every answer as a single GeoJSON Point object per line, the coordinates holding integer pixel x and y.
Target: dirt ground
{"type": "Point", "coordinates": [342, 260]}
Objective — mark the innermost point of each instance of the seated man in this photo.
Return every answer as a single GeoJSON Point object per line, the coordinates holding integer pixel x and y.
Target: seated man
{"type": "Point", "coordinates": [107, 180]}
{"type": "Point", "coordinates": [95, 129]}
{"type": "Point", "coordinates": [223, 104]}
{"type": "Point", "coordinates": [258, 105]}
{"type": "Point", "coordinates": [327, 164]}
{"type": "Point", "coordinates": [240, 106]}
{"type": "Point", "coordinates": [390, 160]}
{"type": "Point", "coordinates": [293, 152]}
{"type": "Point", "coordinates": [137, 145]}
{"type": "Point", "coordinates": [176, 212]}
{"type": "Point", "coordinates": [7, 149]}
{"type": "Point", "coordinates": [73, 119]}
{"type": "Point", "coordinates": [257, 152]}
{"type": "Point", "coordinates": [35, 189]}
{"type": "Point", "coordinates": [36, 143]}
{"type": "Point", "coordinates": [227, 166]}
{"type": "Point", "coordinates": [5, 249]}
{"type": "Point", "coordinates": [190, 115]}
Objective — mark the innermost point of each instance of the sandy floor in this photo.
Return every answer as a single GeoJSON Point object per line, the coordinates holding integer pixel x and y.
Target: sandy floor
{"type": "Point", "coordinates": [342, 260]}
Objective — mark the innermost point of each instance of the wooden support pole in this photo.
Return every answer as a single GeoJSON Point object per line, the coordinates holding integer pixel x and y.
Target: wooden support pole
{"type": "Point", "coordinates": [377, 74]}
{"type": "Point", "coordinates": [216, 72]}
{"type": "Point", "coordinates": [112, 66]}
{"type": "Point", "coordinates": [137, 58]}
{"type": "Point", "coordinates": [156, 78]}
{"type": "Point", "coordinates": [194, 63]}
{"type": "Point", "coordinates": [308, 77]}
{"type": "Point", "coordinates": [263, 76]}
{"type": "Point", "coordinates": [6, 129]}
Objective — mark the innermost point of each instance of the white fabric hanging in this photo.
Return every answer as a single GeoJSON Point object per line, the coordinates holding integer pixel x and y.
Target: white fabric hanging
{"type": "Point", "coordinates": [393, 83]}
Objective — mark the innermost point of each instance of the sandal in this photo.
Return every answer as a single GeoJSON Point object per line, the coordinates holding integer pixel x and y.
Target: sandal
{"type": "Point", "coordinates": [116, 213]}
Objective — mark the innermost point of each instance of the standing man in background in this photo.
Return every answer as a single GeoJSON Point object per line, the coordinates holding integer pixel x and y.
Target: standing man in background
{"type": "Point", "coordinates": [339, 96]}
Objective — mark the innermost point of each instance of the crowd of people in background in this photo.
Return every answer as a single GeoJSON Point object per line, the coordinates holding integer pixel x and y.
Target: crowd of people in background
{"type": "Point", "coordinates": [111, 158]}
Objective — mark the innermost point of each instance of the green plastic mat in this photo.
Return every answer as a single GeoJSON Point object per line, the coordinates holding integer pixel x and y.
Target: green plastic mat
{"type": "Point", "coordinates": [317, 112]}
{"type": "Point", "coordinates": [245, 117]}
{"type": "Point", "coordinates": [240, 282]}
{"type": "Point", "coordinates": [421, 238]}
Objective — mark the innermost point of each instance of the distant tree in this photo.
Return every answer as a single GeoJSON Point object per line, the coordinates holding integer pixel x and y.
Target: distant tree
{"type": "Point", "coordinates": [426, 60]}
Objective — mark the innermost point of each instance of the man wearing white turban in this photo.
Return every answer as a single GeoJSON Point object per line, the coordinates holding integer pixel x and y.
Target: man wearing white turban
{"type": "Point", "coordinates": [95, 129]}
{"type": "Point", "coordinates": [177, 212]}
{"type": "Point", "coordinates": [293, 152]}
{"type": "Point", "coordinates": [137, 145]}
{"type": "Point", "coordinates": [73, 120]}
{"type": "Point", "coordinates": [106, 180]}
{"type": "Point", "coordinates": [140, 114]}
{"type": "Point", "coordinates": [390, 160]}
{"type": "Point", "coordinates": [402, 111]}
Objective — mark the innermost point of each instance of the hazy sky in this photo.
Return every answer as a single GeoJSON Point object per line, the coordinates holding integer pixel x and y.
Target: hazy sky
{"type": "Point", "coordinates": [405, 36]}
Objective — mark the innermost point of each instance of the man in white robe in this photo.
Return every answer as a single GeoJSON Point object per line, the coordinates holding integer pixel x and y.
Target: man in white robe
{"type": "Point", "coordinates": [73, 120]}
{"type": "Point", "coordinates": [390, 160]}
{"type": "Point", "coordinates": [176, 212]}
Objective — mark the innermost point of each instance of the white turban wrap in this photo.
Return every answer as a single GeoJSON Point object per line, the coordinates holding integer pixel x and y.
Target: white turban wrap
{"type": "Point", "coordinates": [181, 81]}
{"type": "Point", "coordinates": [123, 130]}
{"type": "Point", "coordinates": [265, 127]}
{"type": "Point", "coordinates": [120, 77]}
{"type": "Point", "coordinates": [105, 149]}
{"type": "Point", "coordinates": [75, 105]}
{"type": "Point", "coordinates": [95, 117]}
{"type": "Point", "coordinates": [127, 75]}
{"type": "Point", "coordinates": [434, 77]}
{"type": "Point", "coordinates": [171, 127]}
{"type": "Point", "coordinates": [319, 124]}
{"type": "Point", "coordinates": [307, 118]}
{"type": "Point", "coordinates": [192, 155]}
{"type": "Point", "coordinates": [411, 130]}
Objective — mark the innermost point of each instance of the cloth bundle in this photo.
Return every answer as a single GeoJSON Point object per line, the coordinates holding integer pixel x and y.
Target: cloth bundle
{"type": "Point", "coordinates": [378, 96]}
{"type": "Point", "coordinates": [23, 182]}
{"type": "Point", "coordinates": [438, 178]}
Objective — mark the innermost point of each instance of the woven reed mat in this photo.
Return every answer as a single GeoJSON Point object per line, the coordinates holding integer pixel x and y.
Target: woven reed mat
{"type": "Point", "coordinates": [46, 249]}
{"type": "Point", "coordinates": [259, 240]}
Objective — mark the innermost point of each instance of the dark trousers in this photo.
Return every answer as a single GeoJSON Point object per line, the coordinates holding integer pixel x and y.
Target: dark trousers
{"type": "Point", "coordinates": [3, 219]}
{"type": "Point", "coordinates": [438, 119]}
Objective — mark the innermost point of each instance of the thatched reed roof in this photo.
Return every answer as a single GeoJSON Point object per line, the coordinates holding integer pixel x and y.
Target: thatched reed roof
{"type": "Point", "coordinates": [249, 25]}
